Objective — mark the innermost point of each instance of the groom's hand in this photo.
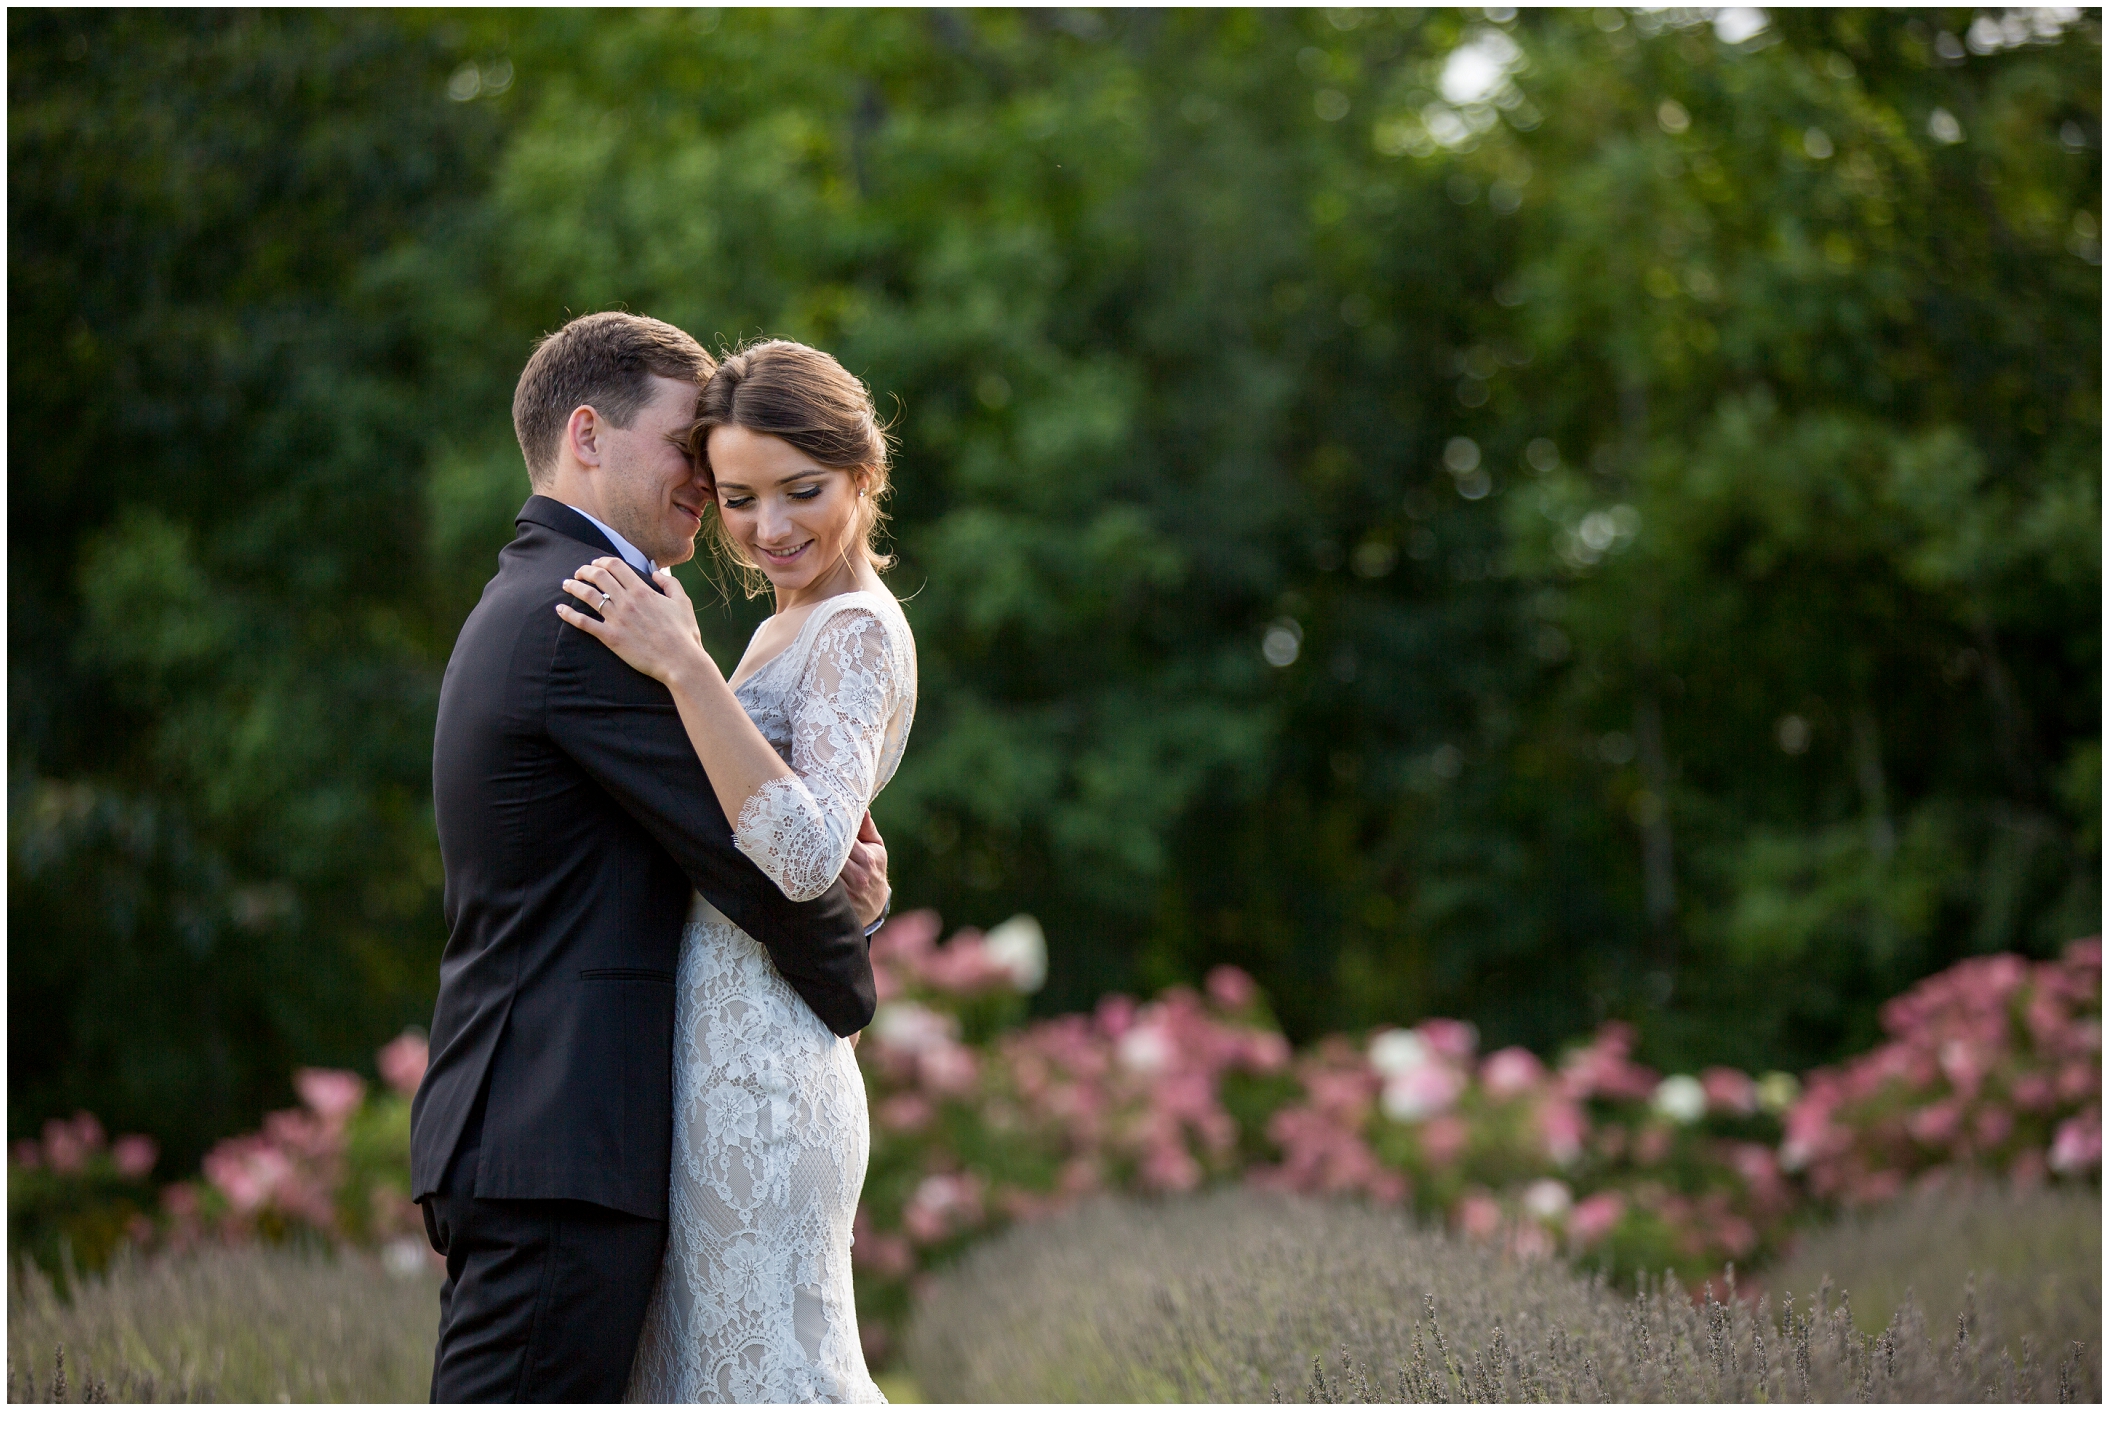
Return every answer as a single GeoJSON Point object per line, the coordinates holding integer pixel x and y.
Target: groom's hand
{"type": "Point", "coordinates": [865, 873]}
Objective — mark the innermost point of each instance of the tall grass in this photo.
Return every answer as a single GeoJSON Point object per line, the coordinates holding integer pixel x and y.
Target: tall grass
{"type": "Point", "coordinates": [1243, 1297]}
{"type": "Point", "coordinates": [226, 1325]}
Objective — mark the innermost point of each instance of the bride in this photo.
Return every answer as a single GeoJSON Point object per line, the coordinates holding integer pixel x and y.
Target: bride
{"type": "Point", "coordinates": [754, 1301]}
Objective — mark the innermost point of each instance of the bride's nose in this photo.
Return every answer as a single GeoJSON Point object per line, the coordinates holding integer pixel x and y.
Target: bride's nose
{"type": "Point", "coordinates": [773, 526]}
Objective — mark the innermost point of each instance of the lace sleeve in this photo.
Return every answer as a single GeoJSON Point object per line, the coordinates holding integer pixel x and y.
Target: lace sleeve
{"type": "Point", "coordinates": [798, 829]}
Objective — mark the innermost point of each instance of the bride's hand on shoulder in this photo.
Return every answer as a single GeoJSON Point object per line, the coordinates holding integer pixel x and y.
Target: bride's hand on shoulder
{"type": "Point", "coordinates": [651, 627]}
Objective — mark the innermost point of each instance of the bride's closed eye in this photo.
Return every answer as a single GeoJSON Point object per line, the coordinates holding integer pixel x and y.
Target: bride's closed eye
{"type": "Point", "coordinates": [736, 503]}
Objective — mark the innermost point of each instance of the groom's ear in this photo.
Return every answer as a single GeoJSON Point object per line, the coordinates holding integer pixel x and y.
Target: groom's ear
{"type": "Point", "coordinates": [582, 436]}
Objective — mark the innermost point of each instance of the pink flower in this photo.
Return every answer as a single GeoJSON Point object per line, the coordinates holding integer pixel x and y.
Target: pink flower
{"type": "Point", "coordinates": [1594, 1217]}
{"type": "Point", "coordinates": [2082, 1078]}
{"type": "Point", "coordinates": [1936, 1124]}
{"type": "Point", "coordinates": [1232, 990]}
{"type": "Point", "coordinates": [905, 937]}
{"type": "Point", "coordinates": [1733, 1235]}
{"type": "Point", "coordinates": [1760, 1171]}
{"type": "Point", "coordinates": [1266, 1052]}
{"type": "Point", "coordinates": [1449, 1038]}
{"type": "Point", "coordinates": [2077, 1145]}
{"type": "Point", "coordinates": [1602, 1068]}
{"type": "Point", "coordinates": [1171, 1168]}
{"type": "Point", "coordinates": [1478, 1216]}
{"type": "Point", "coordinates": [1729, 1090]}
{"type": "Point", "coordinates": [333, 1093]}
{"type": "Point", "coordinates": [1529, 1241]}
{"type": "Point", "coordinates": [2033, 1092]}
{"type": "Point", "coordinates": [1992, 1127]}
{"type": "Point", "coordinates": [402, 1062]}
{"type": "Point", "coordinates": [942, 1204]}
{"type": "Point", "coordinates": [904, 1113]}
{"type": "Point", "coordinates": [1511, 1071]}
{"type": "Point", "coordinates": [1442, 1139]}
{"type": "Point", "coordinates": [1562, 1129]}
{"type": "Point", "coordinates": [1115, 1013]}
{"type": "Point", "coordinates": [1338, 1091]}
{"type": "Point", "coordinates": [134, 1155]}
{"type": "Point", "coordinates": [69, 1143]}
{"type": "Point", "coordinates": [948, 1069]}
{"type": "Point", "coordinates": [1079, 1176]}
{"type": "Point", "coordinates": [248, 1171]}
{"type": "Point", "coordinates": [1963, 1065]}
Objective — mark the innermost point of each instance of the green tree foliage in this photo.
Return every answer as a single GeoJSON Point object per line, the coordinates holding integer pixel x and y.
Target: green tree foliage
{"type": "Point", "coordinates": [1583, 514]}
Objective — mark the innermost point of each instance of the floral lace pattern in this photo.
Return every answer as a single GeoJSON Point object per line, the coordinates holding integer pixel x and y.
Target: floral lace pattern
{"type": "Point", "coordinates": [844, 723]}
{"type": "Point", "coordinates": [755, 1302]}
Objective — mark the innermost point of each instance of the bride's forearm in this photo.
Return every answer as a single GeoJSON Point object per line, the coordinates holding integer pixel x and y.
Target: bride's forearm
{"type": "Point", "coordinates": [735, 756]}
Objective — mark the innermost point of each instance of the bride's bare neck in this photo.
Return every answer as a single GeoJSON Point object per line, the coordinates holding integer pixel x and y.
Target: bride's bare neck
{"type": "Point", "coordinates": [851, 574]}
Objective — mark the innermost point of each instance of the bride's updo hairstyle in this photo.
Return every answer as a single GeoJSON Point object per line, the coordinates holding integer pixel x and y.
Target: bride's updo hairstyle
{"type": "Point", "coordinates": [809, 399]}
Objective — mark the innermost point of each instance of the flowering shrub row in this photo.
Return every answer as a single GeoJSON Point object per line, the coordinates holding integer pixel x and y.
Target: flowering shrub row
{"type": "Point", "coordinates": [980, 1118]}
{"type": "Point", "coordinates": [337, 1167]}
{"type": "Point", "coordinates": [1992, 1065]}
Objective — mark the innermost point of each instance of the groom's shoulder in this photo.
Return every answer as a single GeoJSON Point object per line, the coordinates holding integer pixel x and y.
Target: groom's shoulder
{"type": "Point", "coordinates": [545, 549]}
{"type": "Point", "coordinates": [519, 604]}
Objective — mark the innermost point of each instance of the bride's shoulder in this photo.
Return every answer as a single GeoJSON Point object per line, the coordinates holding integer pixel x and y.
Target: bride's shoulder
{"type": "Point", "coordinates": [869, 624]}
{"type": "Point", "coordinates": [878, 603]}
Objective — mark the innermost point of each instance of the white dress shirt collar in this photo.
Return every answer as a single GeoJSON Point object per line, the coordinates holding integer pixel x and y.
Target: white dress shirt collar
{"type": "Point", "coordinates": [623, 549]}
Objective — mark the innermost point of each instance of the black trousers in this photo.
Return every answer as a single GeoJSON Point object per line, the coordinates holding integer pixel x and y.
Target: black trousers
{"type": "Point", "coordinates": [543, 1301]}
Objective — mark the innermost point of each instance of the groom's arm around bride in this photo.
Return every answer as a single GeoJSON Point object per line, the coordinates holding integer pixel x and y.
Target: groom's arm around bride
{"type": "Point", "coordinates": [575, 822]}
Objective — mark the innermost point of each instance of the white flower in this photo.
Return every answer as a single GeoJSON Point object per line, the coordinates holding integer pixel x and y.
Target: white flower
{"type": "Point", "coordinates": [1396, 1051]}
{"type": "Point", "coordinates": [1547, 1198]}
{"type": "Point", "coordinates": [1145, 1049]}
{"type": "Point", "coordinates": [1420, 1092]}
{"type": "Point", "coordinates": [1019, 948]}
{"type": "Point", "coordinates": [1681, 1098]}
{"type": "Point", "coordinates": [1776, 1092]}
{"type": "Point", "coordinates": [911, 1027]}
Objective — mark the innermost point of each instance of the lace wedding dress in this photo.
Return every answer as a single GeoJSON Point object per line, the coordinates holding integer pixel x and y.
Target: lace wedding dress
{"type": "Point", "coordinates": [754, 1302]}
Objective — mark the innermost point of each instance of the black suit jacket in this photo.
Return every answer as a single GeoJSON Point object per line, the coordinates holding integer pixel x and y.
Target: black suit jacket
{"type": "Point", "coordinates": [574, 820]}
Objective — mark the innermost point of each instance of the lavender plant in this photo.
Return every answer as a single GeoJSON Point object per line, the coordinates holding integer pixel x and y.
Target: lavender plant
{"type": "Point", "coordinates": [1245, 1297]}
{"type": "Point", "coordinates": [2028, 1260]}
{"type": "Point", "coordinates": [228, 1325]}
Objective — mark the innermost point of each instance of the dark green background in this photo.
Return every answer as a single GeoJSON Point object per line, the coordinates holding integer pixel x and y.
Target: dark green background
{"type": "Point", "coordinates": [1180, 314]}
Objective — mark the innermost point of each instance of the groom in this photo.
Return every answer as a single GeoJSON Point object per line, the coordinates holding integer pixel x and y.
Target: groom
{"type": "Point", "coordinates": [574, 822]}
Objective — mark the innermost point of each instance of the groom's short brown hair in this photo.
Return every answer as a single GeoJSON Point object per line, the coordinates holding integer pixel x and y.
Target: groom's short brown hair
{"type": "Point", "coordinates": [605, 361]}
